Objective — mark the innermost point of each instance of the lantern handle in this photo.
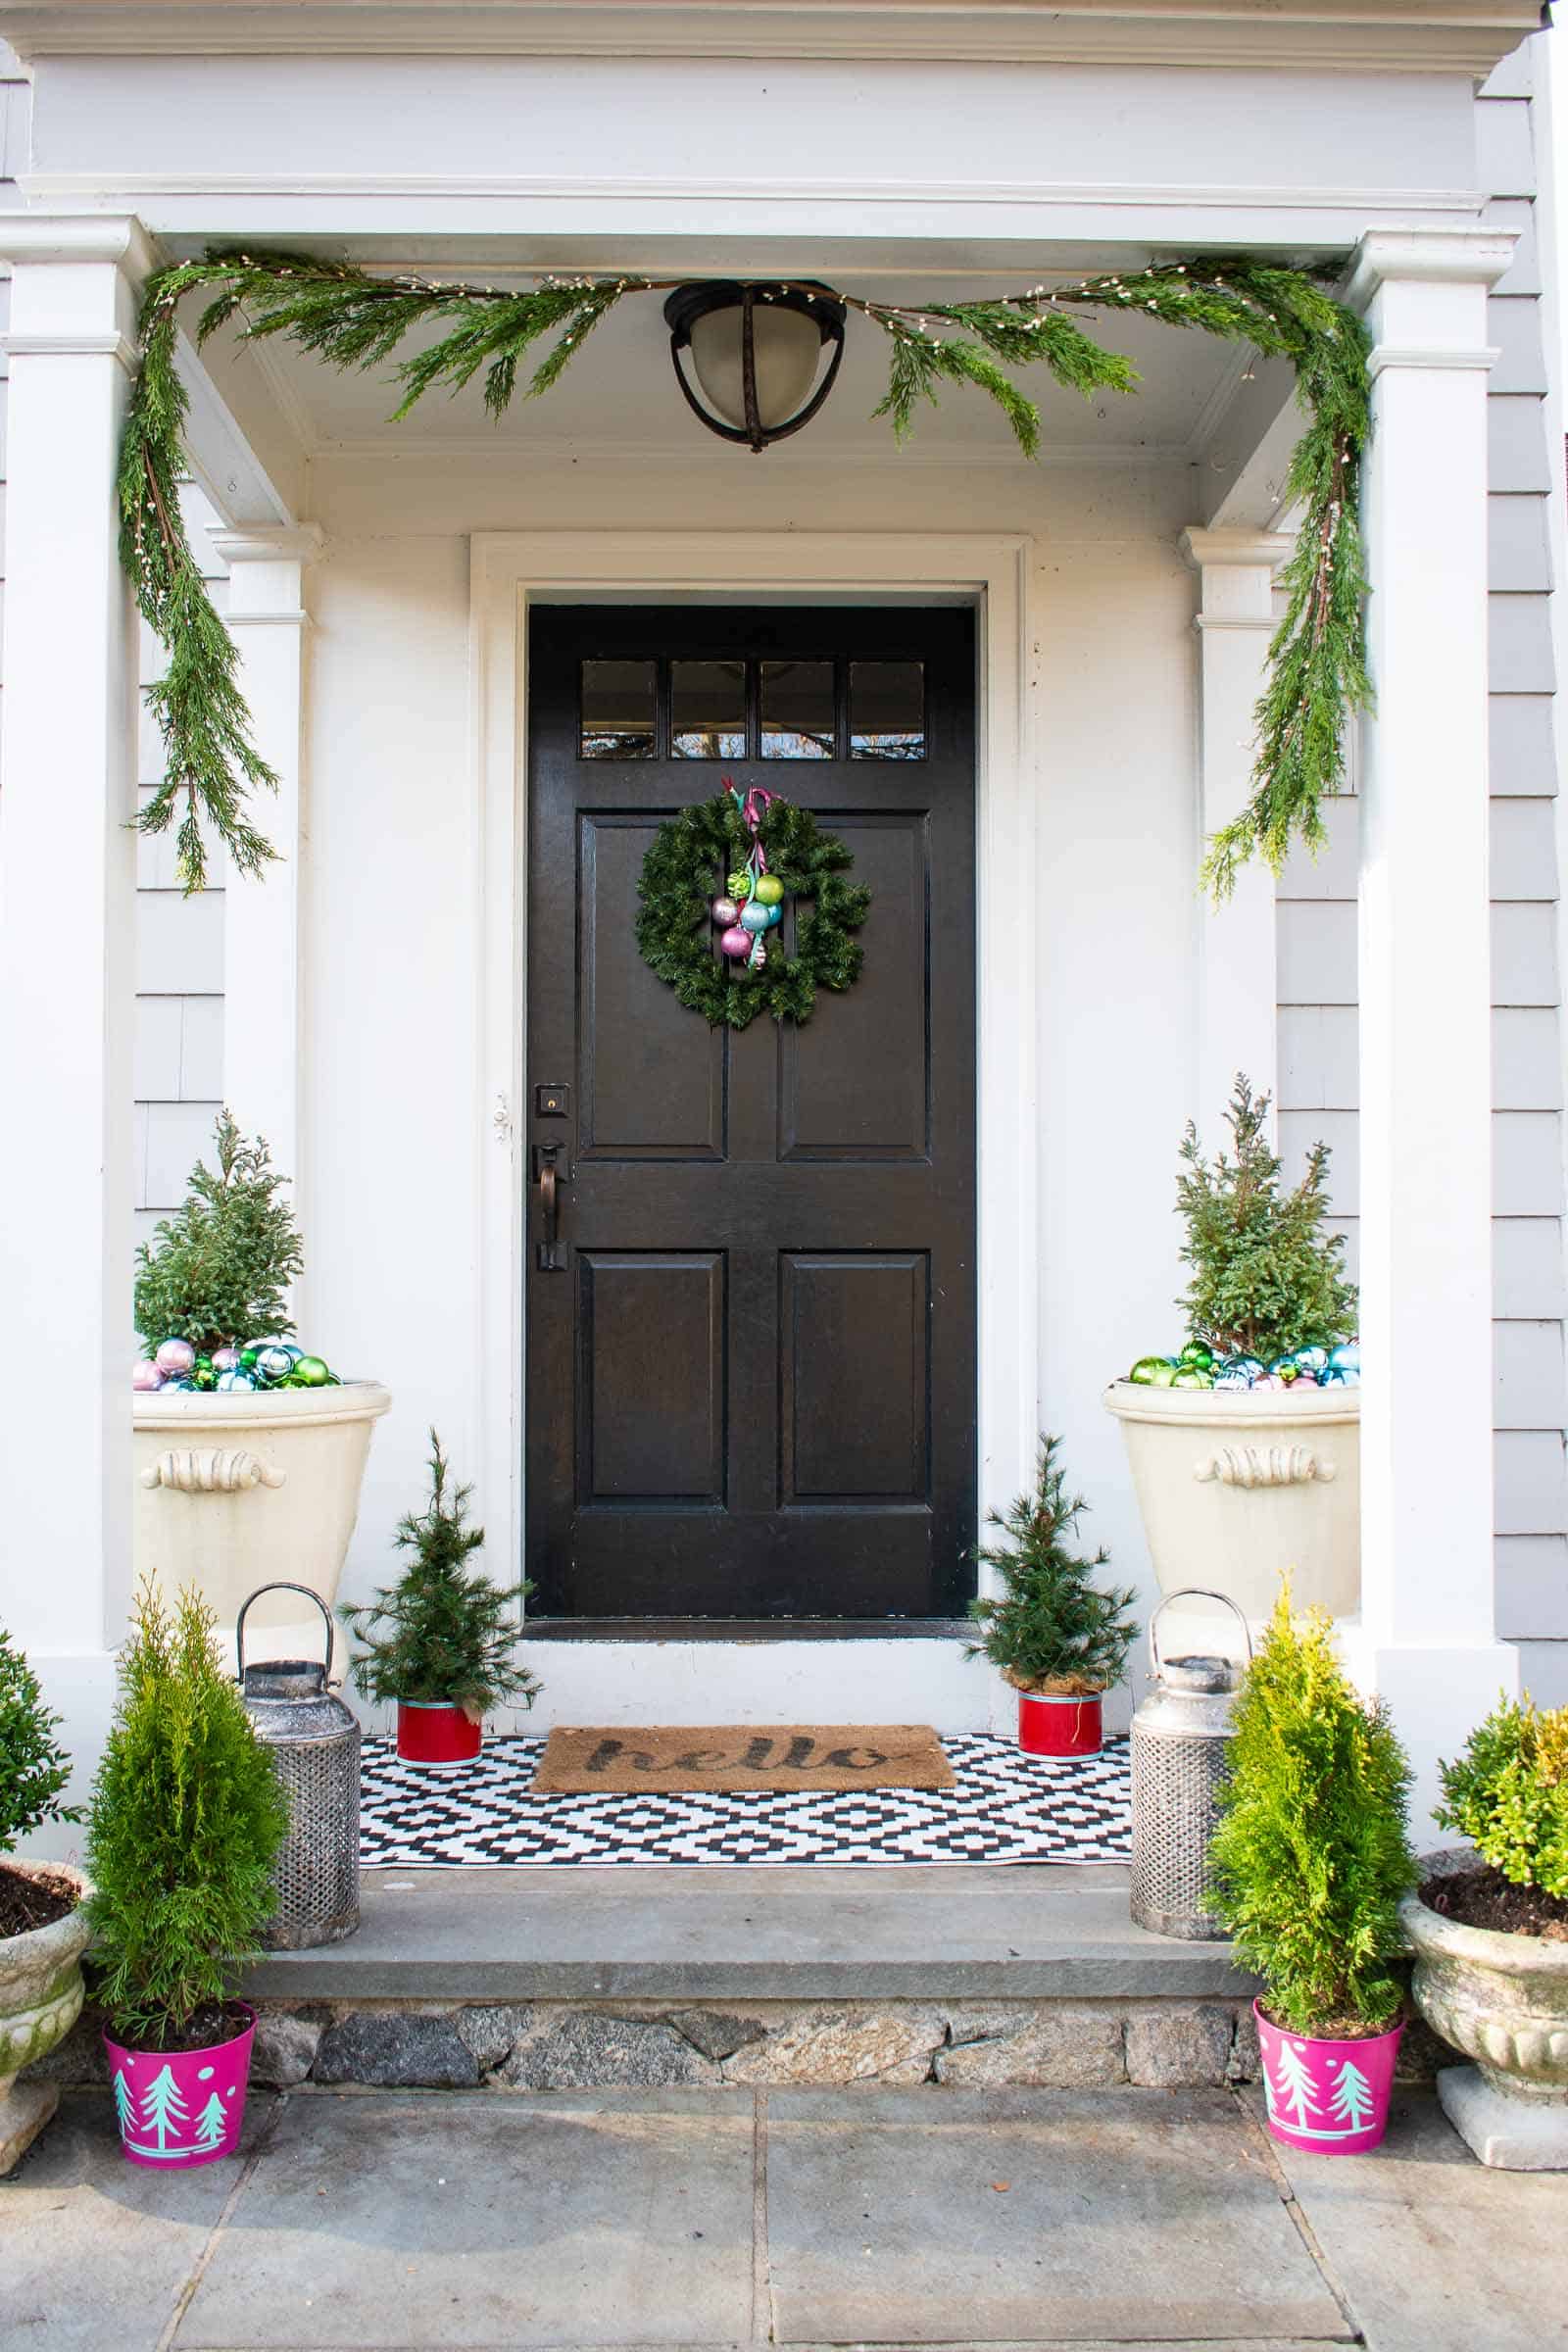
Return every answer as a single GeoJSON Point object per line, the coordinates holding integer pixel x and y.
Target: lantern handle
{"type": "Point", "coordinates": [1194, 1592]}
{"type": "Point", "coordinates": [239, 1626]}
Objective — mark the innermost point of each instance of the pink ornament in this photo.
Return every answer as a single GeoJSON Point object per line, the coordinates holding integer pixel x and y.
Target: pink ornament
{"type": "Point", "coordinates": [225, 1359]}
{"type": "Point", "coordinates": [144, 1374]}
{"type": "Point", "coordinates": [725, 911]}
{"type": "Point", "coordinates": [173, 1357]}
{"type": "Point", "coordinates": [736, 942]}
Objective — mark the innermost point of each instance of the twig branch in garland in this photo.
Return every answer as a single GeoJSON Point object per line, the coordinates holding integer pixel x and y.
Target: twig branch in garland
{"type": "Point", "coordinates": [340, 313]}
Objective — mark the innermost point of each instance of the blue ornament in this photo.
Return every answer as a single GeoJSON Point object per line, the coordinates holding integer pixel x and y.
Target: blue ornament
{"type": "Point", "coordinates": [774, 915]}
{"type": "Point", "coordinates": [276, 1361]}
{"type": "Point", "coordinates": [755, 918]}
{"type": "Point", "coordinates": [1237, 1372]}
{"type": "Point", "coordinates": [234, 1383]}
{"type": "Point", "coordinates": [1312, 1359]}
{"type": "Point", "coordinates": [1346, 1359]}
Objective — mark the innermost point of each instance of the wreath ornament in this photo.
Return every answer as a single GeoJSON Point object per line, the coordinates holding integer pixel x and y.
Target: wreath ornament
{"type": "Point", "coordinates": [719, 943]}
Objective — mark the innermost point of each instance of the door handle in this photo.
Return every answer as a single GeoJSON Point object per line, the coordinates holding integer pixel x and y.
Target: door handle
{"type": "Point", "coordinates": [551, 1258]}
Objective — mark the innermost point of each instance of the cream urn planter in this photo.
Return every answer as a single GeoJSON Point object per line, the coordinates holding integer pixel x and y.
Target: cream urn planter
{"type": "Point", "coordinates": [40, 2000]}
{"type": "Point", "coordinates": [236, 1490]}
{"type": "Point", "coordinates": [1237, 1485]}
{"type": "Point", "coordinates": [1504, 2001]}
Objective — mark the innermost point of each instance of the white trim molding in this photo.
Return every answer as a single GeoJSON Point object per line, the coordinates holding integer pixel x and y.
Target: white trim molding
{"type": "Point", "coordinates": [514, 570]}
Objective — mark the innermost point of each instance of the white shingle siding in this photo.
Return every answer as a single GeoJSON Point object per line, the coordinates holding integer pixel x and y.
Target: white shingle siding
{"type": "Point", "coordinates": [1317, 943]}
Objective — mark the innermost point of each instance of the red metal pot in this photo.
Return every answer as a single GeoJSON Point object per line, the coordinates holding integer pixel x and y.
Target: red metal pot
{"type": "Point", "coordinates": [1048, 1726]}
{"type": "Point", "coordinates": [435, 1733]}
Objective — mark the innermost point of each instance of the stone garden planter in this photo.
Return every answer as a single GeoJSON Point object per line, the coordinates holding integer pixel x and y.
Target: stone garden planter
{"type": "Point", "coordinates": [232, 1490]}
{"type": "Point", "coordinates": [40, 2000]}
{"type": "Point", "coordinates": [1504, 2001]}
{"type": "Point", "coordinates": [1237, 1487]}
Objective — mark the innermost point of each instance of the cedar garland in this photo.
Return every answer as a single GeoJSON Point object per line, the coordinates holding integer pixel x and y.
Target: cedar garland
{"type": "Point", "coordinates": [1317, 674]}
{"type": "Point", "coordinates": [686, 865]}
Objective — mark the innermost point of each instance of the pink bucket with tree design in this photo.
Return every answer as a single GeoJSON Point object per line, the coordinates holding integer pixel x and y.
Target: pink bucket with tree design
{"type": "Point", "coordinates": [177, 2108]}
{"type": "Point", "coordinates": [1328, 2097]}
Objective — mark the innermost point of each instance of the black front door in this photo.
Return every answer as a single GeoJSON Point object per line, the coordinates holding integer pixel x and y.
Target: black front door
{"type": "Point", "coordinates": [750, 1352]}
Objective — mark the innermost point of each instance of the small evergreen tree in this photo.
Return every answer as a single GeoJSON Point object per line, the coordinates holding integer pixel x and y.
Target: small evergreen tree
{"type": "Point", "coordinates": [33, 1766]}
{"type": "Point", "coordinates": [186, 1824]}
{"type": "Point", "coordinates": [217, 1271]}
{"type": "Point", "coordinates": [439, 1634]}
{"type": "Point", "coordinates": [1267, 1276]}
{"type": "Point", "coordinates": [1052, 1628]}
{"type": "Point", "coordinates": [1311, 1853]}
{"type": "Point", "coordinates": [1508, 1794]}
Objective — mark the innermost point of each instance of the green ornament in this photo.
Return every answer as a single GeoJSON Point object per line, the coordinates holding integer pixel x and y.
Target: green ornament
{"type": "Point", "coordinates": [769, 891]}
{"type": "Point", "coordinates": [1191, 1377]}
{"type": "Point", "coordinates": [1152, 1372]}
{"type": "Point", "coordinates": [311, 1372]}
{"type": "Point", "coordinates": [1199, 1355]}
{"type": "Point", "coordinates": [739, 885]}
{"type": "Point", "coordinates": [201, 1374]}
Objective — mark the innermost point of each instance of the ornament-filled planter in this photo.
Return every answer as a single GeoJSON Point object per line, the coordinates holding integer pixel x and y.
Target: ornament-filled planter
{"type": "Point", "coordinates": [1329, 2097]}
{"type": "Point", "coordinates": [180, 2108]}
{"type": "Point", "coordinates": [1235, 1487]}
{"type": "Point", "coordinates": [230, 1487]}
{"type": "Point", "coordinates": [1058, 1723]}
{"type": "Point", "coordinates": [40, 2000]}
{"type": "Point", "coordinates": [1503, 2000]}
{"type": "Point", "coordinates": [434, 1733]}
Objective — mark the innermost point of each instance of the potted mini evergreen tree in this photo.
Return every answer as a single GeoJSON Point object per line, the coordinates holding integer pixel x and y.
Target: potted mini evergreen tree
{"type": "Point", "coordinates": [1309, 1862]}
{"type": "Point", "coordinates": [1489, 1930]}
{"type": "Point", "coordinates": [439, 1642]}
{"type": "Point", "coordinates": [43, 1930]}
{"type": "Point", "coordinates": [1245, 1446]}
{"type": "Point", "coordinates": [1056, 1635]}
{"type": "Point", "coordinates": [186, 1820]}
{"type": "Point", "coordinates": [247, 1453]}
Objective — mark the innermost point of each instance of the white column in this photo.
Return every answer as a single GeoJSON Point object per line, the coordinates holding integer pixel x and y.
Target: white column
{"type": "Point", "coordinates": [66, 979]}
{"type": "Point", "coordinates": [1428, 1632]}
{"type": "Point", "coordinates": [262, 980]}
{"type": "Point", "coordinates": [1237, 983]}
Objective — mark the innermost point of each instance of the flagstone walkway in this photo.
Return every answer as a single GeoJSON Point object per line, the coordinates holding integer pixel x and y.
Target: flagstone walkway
{"type": "Point", "coordinates": [396, 2222]}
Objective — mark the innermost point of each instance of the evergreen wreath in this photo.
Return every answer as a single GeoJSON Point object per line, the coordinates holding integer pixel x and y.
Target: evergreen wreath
{"type": "Point", "coordinates": [341, 313]}
{"type": "Point", "coordinates": [689, 860]}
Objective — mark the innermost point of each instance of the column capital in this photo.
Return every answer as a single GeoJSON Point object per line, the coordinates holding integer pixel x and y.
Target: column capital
{"type": "Point", "coordinates": [282, 542]}
{"type": "Point", "coordinates": [28, 238]}
{"type": "Point", "coordinates": [1472, 255]}
{"type": "Point", "coordinates": [1201, 548]}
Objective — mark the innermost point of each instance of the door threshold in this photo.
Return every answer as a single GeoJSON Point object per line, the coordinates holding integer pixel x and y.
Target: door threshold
{"type": "Point", "coordinates": [747, 1629]}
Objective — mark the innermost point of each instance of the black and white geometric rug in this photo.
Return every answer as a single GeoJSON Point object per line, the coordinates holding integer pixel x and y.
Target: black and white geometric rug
{"type": "Point", "coordinates": [1005, 1807]}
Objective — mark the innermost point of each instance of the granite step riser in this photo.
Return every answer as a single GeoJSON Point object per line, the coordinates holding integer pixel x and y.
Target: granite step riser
{"type": "Point", "coordinates": [561, 2046]}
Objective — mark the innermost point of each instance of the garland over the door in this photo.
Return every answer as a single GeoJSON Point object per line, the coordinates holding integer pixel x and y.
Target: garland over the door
{"type": "Point", "coordinates": [770, 853]}
{"type": "Point", "coordinates": [342, 314]}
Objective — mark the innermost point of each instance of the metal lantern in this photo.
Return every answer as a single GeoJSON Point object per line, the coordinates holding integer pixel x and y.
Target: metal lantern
{"type": "Point", "coordinates": [315, 1741]}
{"type": "Point", "coordinates": [748, 359]}
{"type": "Point", "coordinates": [1181, 1736]}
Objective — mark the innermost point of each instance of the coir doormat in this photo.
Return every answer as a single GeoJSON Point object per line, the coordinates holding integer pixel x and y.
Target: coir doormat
{"type": "Point", "coordinates": [794, 1757]}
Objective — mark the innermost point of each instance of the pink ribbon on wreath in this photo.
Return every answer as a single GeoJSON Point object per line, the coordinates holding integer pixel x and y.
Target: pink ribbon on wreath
{"type": "Point", "coordinates": [754, 807]}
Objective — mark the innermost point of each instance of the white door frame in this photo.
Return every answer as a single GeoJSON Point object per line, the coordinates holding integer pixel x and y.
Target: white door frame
{"type": "Point", "coordinates": [514, 570]}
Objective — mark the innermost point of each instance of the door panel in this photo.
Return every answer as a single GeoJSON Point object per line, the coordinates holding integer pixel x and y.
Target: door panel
{"type": "Point", "coordinates": [751, 1369]}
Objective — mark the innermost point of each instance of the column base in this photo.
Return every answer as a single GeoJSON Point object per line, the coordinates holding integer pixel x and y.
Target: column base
{"type": "Point", "coordinates": [22, 2116]}
{"type": "Point", "coordinates": [1436, 1698]}
{"type": "Point", "coordinates": [1515, 2136]}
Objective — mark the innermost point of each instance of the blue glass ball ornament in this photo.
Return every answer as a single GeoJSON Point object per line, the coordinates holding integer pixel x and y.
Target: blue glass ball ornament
{"type": "Point", "coordinates": [774, 915]}
{"type": "Point", "coordinates": [235, 1383]}
{"type": "Point", "coordinates": [1339, 1376]}
{"type": "Point", "coordinates": [1346, 1357]}
{"type": "Point", "coordinates": [187, 1387]}
{"type": "Point", "coordinates": [276, 1361]}
{"type": "Point", "coordinates": [1237, 1372]}
{"type": "Point", "coordinates": [1312, 1359]}
{"type": "Point", "coordinates": [754, 918]}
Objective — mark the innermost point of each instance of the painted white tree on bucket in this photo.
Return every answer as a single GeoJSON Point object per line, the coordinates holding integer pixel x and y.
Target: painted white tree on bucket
{"type": "Point", "coordinates": [212, 2123]}
{"type": "Point", "coordinates": [161, 2106]}
{"type": "Point", "coordinates": [125, 2104]}
{"type": "Point", "coordinates": [1294, 2087]}
{"type": "Point", "coordinates": [1352, 2098]}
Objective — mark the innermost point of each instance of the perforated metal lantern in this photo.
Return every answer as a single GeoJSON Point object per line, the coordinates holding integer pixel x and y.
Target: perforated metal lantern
{"type": "Point", "coordinates": [1181, 1736]}
{"type": "Point", "coordinates": [315, 1741]}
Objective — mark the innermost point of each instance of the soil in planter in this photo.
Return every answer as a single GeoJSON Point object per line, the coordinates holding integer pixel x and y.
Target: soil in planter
{"type": "Point", "coordinates": [28, 1902]}
{"type": "Point", "coordinates": [1485, 1899]}
{"type": "Point", "coordinates": [213, 2022]}
{"type": "Point", "coordinates": [1336, 2029]}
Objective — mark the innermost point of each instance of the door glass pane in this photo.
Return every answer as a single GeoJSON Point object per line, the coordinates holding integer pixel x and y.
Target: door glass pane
{"type": "Point", "coordinates": [618, 710]}
{"type": "Point", "coordinates": [887, 709]}
{"type": "Point", "coordinates": [708, 710]}
{"type": "Point", "coordinates": [798, 710]}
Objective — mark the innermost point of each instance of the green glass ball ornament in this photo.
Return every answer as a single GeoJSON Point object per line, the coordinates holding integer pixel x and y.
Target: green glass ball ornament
{"type": "Point", "coordinates": [1191, 1376]}
{"type": "Point", "coordinates": [1147, 1372]}
{"type": "Point", "coordinates": [1285, 1370]}
{"type": "Point", "coordinates": [1199, 1352]}
{"type": "Point", "coordinates": [770, 891]}
{"type": "Point", "coordinates": [202, 1375]}
{"type": "Point", "coordinates": [311, 1372]}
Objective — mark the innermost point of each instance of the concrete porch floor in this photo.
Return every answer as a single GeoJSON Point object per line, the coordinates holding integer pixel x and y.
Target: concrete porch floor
{"type": "Point", "coordinates": [374, 2221]}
